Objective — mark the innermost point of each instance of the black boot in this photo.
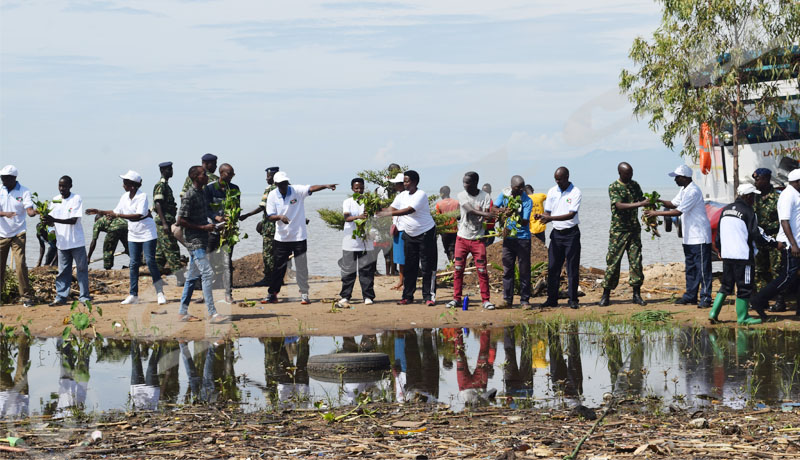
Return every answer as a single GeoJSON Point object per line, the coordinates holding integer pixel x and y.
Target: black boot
{"type": "Point", "coordinates": [778, 306]}
{"type": "Point", "coordinates": [637, 296]}
{"type": "Point", "coordinates": [604, 299]}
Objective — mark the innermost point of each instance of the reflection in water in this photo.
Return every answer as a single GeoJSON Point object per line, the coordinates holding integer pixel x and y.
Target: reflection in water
{"type": "Point", "coordinates": [287, 376]}
{"type": "Point", "coordinates": [145, 390]}
{"type": "Point", "coordinates": [416, 366]}
{"type": "Point", "coordinates": [73, 381]}
{"type": "Point", "coordinates": [518, 377]}
{"type": "Point", "coordinates": [14, 397]}
{"type": "Point", "coordinates": [566, 373]}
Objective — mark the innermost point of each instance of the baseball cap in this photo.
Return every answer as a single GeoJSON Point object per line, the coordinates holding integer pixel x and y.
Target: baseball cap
{"type": "Point", "coordinates": [681, 170]}
{"type": "Point", "coordinates": [397, 179]}
{"type": "Point", "coordinates": [794, 175]}
{"type": "Point", "coordinates": [9, 170]}
{"type": "Point", "coordinates": [132, 176]}
{"type": "Point", "coordinates": [747, 189]}
{"type": "Point", "coordinates": [279, 177]}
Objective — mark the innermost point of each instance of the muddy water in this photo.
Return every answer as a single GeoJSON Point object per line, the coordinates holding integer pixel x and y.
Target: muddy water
{"type": "Point", "coordinates": [537, 364]}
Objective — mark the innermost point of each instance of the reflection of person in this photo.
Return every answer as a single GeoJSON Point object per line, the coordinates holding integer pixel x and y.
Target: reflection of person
{"type": "Point", "coordinates": [14, 397]}
{"type": "Point", "coordinates": [566, 374]}
{"type": "Point", "coordinates": [65, 215]}
{"type": "Point", "coordinates": [74, 379]}
{"type": "Point", "coordinates": [15, 203]}
{"type": "Point", "coordinates": [116, 230]}
{"type": "Point", "coordinates": [358, 254]}
{"type": "Point", "coordinates": [516, 249]}
{"type": "Point", "coordinates": [216, 193]}
{"type": "Point", "coordinates": [266, 227]}
{"type": "Point", "coordinates": [518, 377]}
{"type": "Point", "coordinates": [477, 380]}
{"type": "Point", "coordinates": [416, 372]}
{"type": "Point", "coordinates": [444, 206]}
{"type": "Point", "coordinates": [145, 390]}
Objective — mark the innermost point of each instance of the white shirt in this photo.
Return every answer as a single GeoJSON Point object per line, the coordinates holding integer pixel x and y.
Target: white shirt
{"type": "Point", "coordinates": [142, 230]}
{"type": "Point", "coordinates": [419, 221]}
{"type": "Point", "coordinates": [17, 200]}
{"type": "Point", "coordinates": [560, 202]}
{"type": "Point", "coordinates": [68, 236]}
{"type": "Point", "coordinates": [351, 207]}
{"type": "Point", "coordinates": [696, 227]}
{"type": "Point", "coordinates": [789, 209]}
{"type": "Point", "coordinates": [293, 208]}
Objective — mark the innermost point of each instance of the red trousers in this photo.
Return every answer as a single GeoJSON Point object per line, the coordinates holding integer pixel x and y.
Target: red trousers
{"type": "Point", "coordinates": [465, 247]}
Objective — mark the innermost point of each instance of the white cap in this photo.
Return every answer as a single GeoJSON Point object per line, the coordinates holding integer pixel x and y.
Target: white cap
{"type": "Point", "coordinates": [9, 170]}
{"type": "Point", "coordinates": [681, 170]}
{"type": "Point", "coordinates": [279, 177]}
{"type": "Point", "coordinates": [793, 176]}
{"type": "Point", "coordinates": [747, 189]}
{"type": "Point", "coordinates": [398, 179]}
{"type": "Point", "coordinates": [132, 175]}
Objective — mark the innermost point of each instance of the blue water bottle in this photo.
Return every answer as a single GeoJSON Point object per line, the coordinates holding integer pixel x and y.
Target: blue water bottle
{"type": "Point", "coordinates": [465, 303]}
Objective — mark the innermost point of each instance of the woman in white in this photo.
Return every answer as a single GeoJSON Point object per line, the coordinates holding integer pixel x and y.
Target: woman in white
{"type": "Point", "coordinates": [134, 207]}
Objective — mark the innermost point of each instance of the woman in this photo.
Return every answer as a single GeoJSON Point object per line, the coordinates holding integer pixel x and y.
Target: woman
{"type": "Point", "coordinates": [398, 255]}
{"type": "Point", "coordinates": [134, 207]}
{"type": "Point", "coordinates": [419, 239]}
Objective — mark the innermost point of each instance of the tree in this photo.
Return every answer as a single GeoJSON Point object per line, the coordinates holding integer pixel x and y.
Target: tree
{"type": "Point", "coordinates": [727, 63]}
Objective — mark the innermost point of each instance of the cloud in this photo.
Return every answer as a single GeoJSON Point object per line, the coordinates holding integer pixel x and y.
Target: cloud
{"type": "Point", "coordinates": [106, 7]}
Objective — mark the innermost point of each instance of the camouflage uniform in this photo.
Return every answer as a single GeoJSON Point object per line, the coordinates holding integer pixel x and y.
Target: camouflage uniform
{"type": "Point", "coordinates": [625, 234]}
{"type": "Point", "coordinates": [768, 260]}
{"type": "Point", "coordinates": [168, 254]}
{"type": "Point", "coordinates": [116, 230]}
{"type": "Point", "coordinates": [268, 233]}
{"type": "Point", "coordinates": [188, 182]}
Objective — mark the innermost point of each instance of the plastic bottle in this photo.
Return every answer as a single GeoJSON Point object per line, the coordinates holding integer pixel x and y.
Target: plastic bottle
{"type": "Point", "coordinates": [465, 303]}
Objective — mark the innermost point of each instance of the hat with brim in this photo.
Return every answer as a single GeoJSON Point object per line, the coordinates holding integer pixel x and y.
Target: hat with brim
{"type": "Point", "coordinates": [279, 177]}
{"type": "Point", "coordinates": [165, 164]}
{"type": "Point", "coordinates": [132, 175]}
{"type": "Point", "coordinates": [208, 157]}
{"type": "Point", "coordinates": [794, 175]}
{"type": "Point", "coordinates": [747, 189]}
{"type": "Point", "coordinates": [273, 169]}
{"type": "Point", "coordinates": [682, 170]}
{"type": "Point", "coordinates": [9, 170]}
{"type": "Point", "coordinates": [398, 179]}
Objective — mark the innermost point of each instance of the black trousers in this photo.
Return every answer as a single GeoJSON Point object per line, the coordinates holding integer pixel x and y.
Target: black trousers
{"type": "Point", "coordinates": [516, 252]}
{"type": "Point", "coordinates": [420, 248]}
{"type": "Point", "coordinates": [281, 250]}
{"type": "Point", "coordinates": [449, 244]}
{"type": "Point", "coordinates": [360, 263]}
{"type": "Point", "coordinates": [739, 274]}
{"type": "Point", "coordinates": [565, 246]}
{"type": "Point", "coordinates": [786, 279]}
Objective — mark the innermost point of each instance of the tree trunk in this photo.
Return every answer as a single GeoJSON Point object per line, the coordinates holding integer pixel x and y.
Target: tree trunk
{"type": "Point", "coordinates": [735, 154]}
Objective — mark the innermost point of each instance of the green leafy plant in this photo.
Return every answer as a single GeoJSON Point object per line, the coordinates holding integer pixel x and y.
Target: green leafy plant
{"type": "Point", "coordinates": [231, 208]}
{"type": "Point", "coordinates": [372, 203]}
{"type": "Point", "coordinates": [651, 223]}
{"type": "Point", "coordinates": [43, 209]}
{"type": "Point", "coordinates": [333, 218]}
{"type": "Point", "coordinates": [79, 323]}
{"type": "Point", "coordinates": [511, 213]}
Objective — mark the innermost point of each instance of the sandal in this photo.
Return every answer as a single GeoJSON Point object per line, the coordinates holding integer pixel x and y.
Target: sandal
{"type": "Point", "coordinates": [189, 319]}
{"type": "Point", "coordinates": [216, 318]}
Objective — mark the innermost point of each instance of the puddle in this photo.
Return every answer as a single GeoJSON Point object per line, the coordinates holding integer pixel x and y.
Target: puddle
{"type": "Point", "coordinates": [538, 364]}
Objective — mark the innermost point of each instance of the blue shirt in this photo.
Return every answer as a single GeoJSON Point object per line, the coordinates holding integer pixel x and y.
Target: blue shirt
{"type": "Point", "coordinates": [523, 231]}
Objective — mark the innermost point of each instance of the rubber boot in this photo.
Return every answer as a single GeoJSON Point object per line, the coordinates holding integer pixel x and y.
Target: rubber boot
{"type": "Point", "coordinates": [604, 299]}
{"type": "Point", "coordinates": [742, 317]}
{"type": "Point", "coordinates": [714, 313]}
{"type": "Point", "coordinates": [637, 296]}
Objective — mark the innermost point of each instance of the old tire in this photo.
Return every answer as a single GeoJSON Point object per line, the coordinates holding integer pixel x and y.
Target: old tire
{"type": "Point", "coordinates": [348, 367]}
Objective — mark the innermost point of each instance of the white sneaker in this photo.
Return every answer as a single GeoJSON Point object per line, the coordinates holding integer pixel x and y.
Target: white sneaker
{"type": "Point", "coordinates": [161, 298]}
{"type": "Point", "coordinates": [131, 299]}
{"type": "Point", "coordinates": [368, 301]}
{"type": "Point", "coordinates": [343, 303]}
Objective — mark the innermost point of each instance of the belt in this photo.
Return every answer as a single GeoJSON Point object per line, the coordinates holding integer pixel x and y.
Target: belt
{"type": "Point", "coordinates": [566, 230]}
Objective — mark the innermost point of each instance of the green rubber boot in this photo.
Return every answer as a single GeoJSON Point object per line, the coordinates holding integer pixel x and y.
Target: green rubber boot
{"type": "Point", "coordinates": [714, 313]}
{"type": "Point", "coordinates": [741, 313]}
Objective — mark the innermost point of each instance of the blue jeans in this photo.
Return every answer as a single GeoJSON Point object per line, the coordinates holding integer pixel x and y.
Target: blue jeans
{"type": "Point", "coordinates": [199, 268]}
{"type": "Point", "coordinates": [64, 278]}
{"type": "Point", "coordinates": [698, 272]}
{"type": "Point", "coordinates": [135, 249]}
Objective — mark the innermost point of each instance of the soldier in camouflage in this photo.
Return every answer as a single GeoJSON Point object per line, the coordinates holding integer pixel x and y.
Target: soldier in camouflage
{"type": "Point", "coordinates": [168, 254]}
{"type": "Point", "coordinates": [266, 227]}
{"type": "Point", "coordinates": [209, 161]}
{"type": "Point", "coordinates": [625, 234]}
{"type": "Point", "coordinates": [768, 260]}
{"type": "Point", "coordinates": [116, 230]}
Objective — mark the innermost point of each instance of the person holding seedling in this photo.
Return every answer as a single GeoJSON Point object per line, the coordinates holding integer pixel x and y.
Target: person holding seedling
{"type": "Point", "coordinates": [65, 214]}
{"type": "Point", "coordinates": [513, 210]}
{"type": "Point", "coordinates": [142, 234]}
{"type": "Point", "coordinates": [358, 244]}
{"type": "Point", "coordinates": [15, 202]}
{"type": "Point", "coordinates": [223, 198]}
{"type": "Point", "coordinates": [168, 254]}
{"type": "Point", "coordinates": [209, 162]}
{"type": "Point", "coordinates": [266, 227]}
{"type": "Point", "coordinates": [448, 205]}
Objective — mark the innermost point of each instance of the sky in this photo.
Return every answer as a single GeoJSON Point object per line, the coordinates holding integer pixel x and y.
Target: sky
{"type": "Point", "coordinates": [323, 90]}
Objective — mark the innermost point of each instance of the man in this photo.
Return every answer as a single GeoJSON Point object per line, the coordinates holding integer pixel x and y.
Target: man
{"type": "Point", "coordinates": [789, 234]}
{"type": "Point", "coordinates": [66, 211]}
{"type": "Point", "coordinates": [358, 254]}
{"type": "Point", "coordinates": [625, 234]}
{"type": "Point", "coordinates": [209, 162]}
{"type": "Point", "coordinates": [474, 207]}
{"type": "Point", "coordinates": [487, 187]}
{"type": "Point", "coordinates": [216, 194]}
{"type": "Point", "coordinates": [285, 207]}
{"type": "Point", "coordinates": [15, 202]}
{"type": "Point", "coordinates": [516, 249]}
{"type": "Point", "coordinates": [736, 239]}
{"type": "Point", "coordinates": [444, 206]}
{"type": "Point", "coordinates": [537, 228]}
{"type": "Point", "coordinates": [767, 260]}
{"type": "Point", "coordinates": [116, 230]}
{"type": "Point", "coordinates": [689, 204]}
{"type": "Point", "coordinates": [193, 217]}
{"type": "Point", "coordinates": [168, 254]}
{"type": "Point", "coordinates": [266, 227]}
{"type": "Point", "coordinates": [561, 208]}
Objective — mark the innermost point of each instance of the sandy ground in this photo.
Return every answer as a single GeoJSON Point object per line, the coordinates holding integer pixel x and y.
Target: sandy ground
{"type": "Point", "coordinates": [289, 317]}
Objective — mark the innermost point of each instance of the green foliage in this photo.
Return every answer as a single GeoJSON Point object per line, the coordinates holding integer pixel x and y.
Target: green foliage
{"type": "Point", "coordinates": [652, 316]}
{"type": "Point", "coordinates": [10, 288]}
{"type": "Point", "coordinates": [372, 203]}
{"type": "Point", "coordinates": [80, 322]}
{"type": "Point", "coordinates": [651, 223]}
{"type": "Point", "coordinates": [704, 62]}
{"type": "Point", "coordinates": [380, 177]}
{"type": "Point", "coordinates": [231, 208]}
{"type": "Point", "coordinates": [43, 209]}
{"type": "Point", "coordinates": [446, 222]}
{"type": "Point", "coordinates": [511, 213]}
{"type": "Point", "coordinates": [333, 218]}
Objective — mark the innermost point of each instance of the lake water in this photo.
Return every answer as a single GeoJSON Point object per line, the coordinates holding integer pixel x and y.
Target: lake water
{"type": "Point", "coordinates": [324, 244]}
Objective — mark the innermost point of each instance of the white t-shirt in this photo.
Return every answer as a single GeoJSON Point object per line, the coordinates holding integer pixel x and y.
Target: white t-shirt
{"type": "Point", "coordinates": [419, 221]}
{"type": "Point", "coordinates": [559, 203]}
{"type": "Point", "coordinates": [142, 230]}
{"type": "Point", "coordinates": [350, 206]}
{"type": "Point", "coordinates": [470, 226]}
{"type": "Point", "coordinates": [68, 236]}
{"type": "Point", "coordinates": [17, 200]}
{"type": "Point", "coordinates": [789, 209]}
{"type": "Point", "coordinates": [696, 227]}
{"type": "Point", "coordinates": [292, 207]}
